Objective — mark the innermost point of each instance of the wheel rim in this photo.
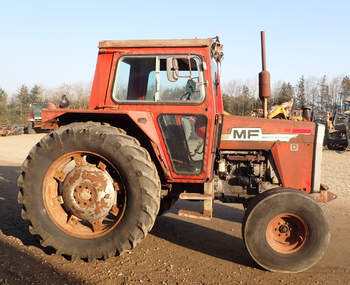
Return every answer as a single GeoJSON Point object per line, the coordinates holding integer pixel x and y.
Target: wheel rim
{"type": "Point", "coordinates": [84, 194]}
{"type": "Point", "coordinates": [286, 233]}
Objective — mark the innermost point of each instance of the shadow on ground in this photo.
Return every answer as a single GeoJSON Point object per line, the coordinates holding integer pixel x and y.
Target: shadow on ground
{"type": "Point", "coordinates": [11, 223]}
{"type": "Point", "coordinates": [220, 210]}
{"type": "Point", "coordinates": [204, 239]}
{"type": "Point", "coordinates": [17, 267]}
{"type": "Point", "coordinates": [186, 234]}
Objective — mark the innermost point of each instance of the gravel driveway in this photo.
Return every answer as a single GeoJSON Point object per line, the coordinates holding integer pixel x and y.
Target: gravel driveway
{"type": "Point", "coordinates": [177, 251]}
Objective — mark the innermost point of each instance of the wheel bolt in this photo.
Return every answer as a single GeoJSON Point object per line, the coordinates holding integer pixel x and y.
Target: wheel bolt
{"type": "Point", "coordinates": [283, 229]}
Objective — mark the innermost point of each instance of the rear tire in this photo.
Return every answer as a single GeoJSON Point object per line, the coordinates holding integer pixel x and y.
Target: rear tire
{"type": "Point", "coordinates": [285, 230]}
{"type": "Point", "coordinates": [102, 151]}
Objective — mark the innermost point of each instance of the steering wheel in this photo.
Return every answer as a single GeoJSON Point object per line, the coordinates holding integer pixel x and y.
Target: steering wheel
{"type": "Point", "coordinates": [190, 88]}
{"type": "Point", "coordinates": [185, 97]}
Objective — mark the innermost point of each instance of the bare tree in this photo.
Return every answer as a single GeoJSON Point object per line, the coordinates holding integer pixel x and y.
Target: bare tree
{"type": "Point", "coordinates": [78, 94]}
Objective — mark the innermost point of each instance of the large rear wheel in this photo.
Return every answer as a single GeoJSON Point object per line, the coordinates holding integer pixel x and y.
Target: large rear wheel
{"type": "Point", "coordinates": [285, 230]}
{"type": "Point", "coordinates": [89, 191]}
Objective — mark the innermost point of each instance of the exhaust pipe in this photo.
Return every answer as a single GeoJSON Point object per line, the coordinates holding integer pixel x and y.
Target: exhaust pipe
{"type": "Point", "coordinates": [264, 78]}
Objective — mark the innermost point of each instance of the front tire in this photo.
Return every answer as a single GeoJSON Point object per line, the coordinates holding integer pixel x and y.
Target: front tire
{"type": "Point", "coordinates": [89, 191]}
{"type": "Point", "coordinates": [285, 230]}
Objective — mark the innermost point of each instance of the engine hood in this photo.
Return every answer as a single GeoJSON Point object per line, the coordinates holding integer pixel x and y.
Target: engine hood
{"type": "Point", "coordinates": [256, 133]}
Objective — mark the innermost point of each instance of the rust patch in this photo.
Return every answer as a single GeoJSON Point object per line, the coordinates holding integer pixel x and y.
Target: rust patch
{"type": "Point", "coordinates": [116, 186]}
{"type": "Point", "coordinates": [324, 196]}
{"type": "Point", "coordinates": [73, 220]}
{"type": "Point", "coordinates": [60, 175]}
{"type": "Point", "coordinates": [100, 205]}
{"type": "Point", "coordinates": [75, 177]}
{"type": "Point", "coordinates": [193, 214]}
{"type": "Point", "coordinates": [61, 216]}
{"type": "Point", "coordinates": [286, 233]}
{"type": "Point", "coordinates": [96, 179]}
{"type": "Point", "coordinates": [101, 165]}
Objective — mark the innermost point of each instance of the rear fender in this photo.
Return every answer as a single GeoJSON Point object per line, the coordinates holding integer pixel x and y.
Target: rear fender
{"type": "Point", "coordinates": [136, 123]}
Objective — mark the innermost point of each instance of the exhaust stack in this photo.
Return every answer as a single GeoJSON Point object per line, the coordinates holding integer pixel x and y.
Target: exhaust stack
{"type": "Point", "coordinates": [264, 78]}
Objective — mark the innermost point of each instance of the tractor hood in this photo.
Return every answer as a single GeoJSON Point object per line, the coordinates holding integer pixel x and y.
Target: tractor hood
{"type": "Point", "coordinates": [256, 133]}
{"type": "Point", "coordinates": [296, 147]}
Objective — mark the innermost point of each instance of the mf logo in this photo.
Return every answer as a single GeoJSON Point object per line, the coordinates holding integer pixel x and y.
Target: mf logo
{"type": "Point", "coordinates": [243, 134]}
{"type": "Point", "coordinates": [255, 134]}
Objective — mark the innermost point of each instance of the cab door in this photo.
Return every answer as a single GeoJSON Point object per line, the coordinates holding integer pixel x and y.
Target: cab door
{"type": "Point", "coordinates": [173, 88]}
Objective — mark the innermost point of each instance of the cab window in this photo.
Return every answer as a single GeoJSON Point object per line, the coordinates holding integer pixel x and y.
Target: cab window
{"type": "Point", "coordinates": [184, 136]}
{"type": "Point", "coordinates": [159, 79]}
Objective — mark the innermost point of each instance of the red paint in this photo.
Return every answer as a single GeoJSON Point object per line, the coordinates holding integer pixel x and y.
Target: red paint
{"type": "Point", "coordinates": [99, 86]}
{"type": "Point", "coordinates": [298, 131]}
{"type": "Point", "coordinates": [294, 168]}
{"type": "Point", "coordinates": [301, 131]}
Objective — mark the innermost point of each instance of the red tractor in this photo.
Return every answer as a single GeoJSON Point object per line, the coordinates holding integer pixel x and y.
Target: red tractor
{"type": "Point", "coordinates": [155, 131]}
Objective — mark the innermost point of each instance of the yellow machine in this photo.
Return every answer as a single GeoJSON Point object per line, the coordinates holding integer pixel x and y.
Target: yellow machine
{"type": "Point", "coordinates": [281, 111]}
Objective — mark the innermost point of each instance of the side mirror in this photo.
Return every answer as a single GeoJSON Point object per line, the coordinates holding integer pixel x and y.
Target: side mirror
{"type": "Point", "coordinates": [172, 68]}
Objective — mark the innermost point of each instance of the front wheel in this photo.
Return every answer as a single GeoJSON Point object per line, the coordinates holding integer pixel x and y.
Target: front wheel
{"type": "Point", "coordinates": [285, 230]}
{"type": "Point", "coordinates": [89, 191]}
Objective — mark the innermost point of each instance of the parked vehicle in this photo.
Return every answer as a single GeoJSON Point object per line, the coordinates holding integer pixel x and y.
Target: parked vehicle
{"type": "Point", "coordinates": [34, 119]}
{"type": "Point", "coordinates": [155, 131]}
{"type": "Point", "coordinates": [338, 128]}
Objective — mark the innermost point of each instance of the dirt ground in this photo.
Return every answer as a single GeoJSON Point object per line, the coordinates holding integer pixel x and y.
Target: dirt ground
{"type": "Point", "coordinates": [177, 251]}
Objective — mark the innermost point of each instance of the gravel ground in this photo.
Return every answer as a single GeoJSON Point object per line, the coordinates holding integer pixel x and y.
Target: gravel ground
{"type": "Point", "coordinates": [177, 251]}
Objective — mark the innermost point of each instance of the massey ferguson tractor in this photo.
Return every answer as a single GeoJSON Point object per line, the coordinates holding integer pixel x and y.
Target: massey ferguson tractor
{"type": "Point", "coordinates": [155, 132]}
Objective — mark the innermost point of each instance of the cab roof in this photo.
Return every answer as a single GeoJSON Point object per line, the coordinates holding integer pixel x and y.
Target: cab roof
{"type": "Point", "coordinates": [157, 43]}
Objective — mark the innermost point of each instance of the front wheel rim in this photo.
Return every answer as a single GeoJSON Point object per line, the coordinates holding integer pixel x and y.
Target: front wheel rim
{"type": "Point", "coordinates": [286, 233]}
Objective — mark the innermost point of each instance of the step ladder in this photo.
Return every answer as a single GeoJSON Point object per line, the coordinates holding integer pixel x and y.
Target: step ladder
{"type": "Point", "coordinates": [207, 198]}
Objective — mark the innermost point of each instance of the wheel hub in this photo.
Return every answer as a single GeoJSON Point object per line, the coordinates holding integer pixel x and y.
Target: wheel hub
{"type": "Point", "coordinates": [88, 193]}
{"type": "Point", "coordinates": [286, 233]}
{"type": "Point", "coordinates": [283, 229]}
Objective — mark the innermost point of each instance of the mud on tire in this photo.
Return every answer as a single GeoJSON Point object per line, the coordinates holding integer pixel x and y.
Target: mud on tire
{"type": "Point", "coordinates": [106, 226]}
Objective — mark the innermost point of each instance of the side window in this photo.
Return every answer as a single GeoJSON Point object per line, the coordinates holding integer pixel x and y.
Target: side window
{"type": "Point", "coordinates": [132, 78]}
{"type": "Point", "coordinates": [123, 80]}
{"type": "Point", "coordinates": [188, 85]}
{"type": "Point", "coordinates": [184, 136]}
{"type": "Point", "coordinates": [146, 78]}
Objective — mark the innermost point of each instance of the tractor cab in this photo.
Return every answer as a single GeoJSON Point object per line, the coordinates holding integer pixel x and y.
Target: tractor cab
{"type": "Point", "coordinates": [167, 90]}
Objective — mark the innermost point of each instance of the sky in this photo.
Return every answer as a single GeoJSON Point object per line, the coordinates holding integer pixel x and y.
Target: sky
{"type": "Point", "coordinates": [54, 42]}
